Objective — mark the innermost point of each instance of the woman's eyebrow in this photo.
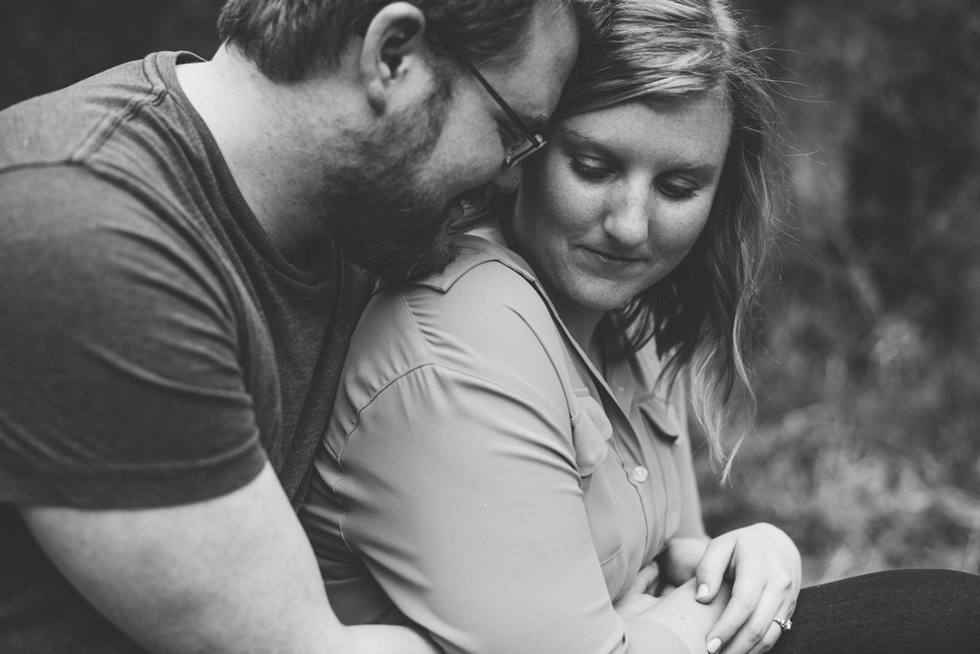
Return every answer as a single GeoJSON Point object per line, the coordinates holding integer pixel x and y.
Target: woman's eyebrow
{"type": "Point", "coordinates": [577, 135]}
{"type": "Point", "coordinates": [705, 169]}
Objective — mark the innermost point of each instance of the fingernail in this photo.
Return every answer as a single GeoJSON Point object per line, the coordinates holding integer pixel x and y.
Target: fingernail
{"type": "Point", "coordinates": [702, 591]}
{"type": "Point", "coordinates": [714, 645]}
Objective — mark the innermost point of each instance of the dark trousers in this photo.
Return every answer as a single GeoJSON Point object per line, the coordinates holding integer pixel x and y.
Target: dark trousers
{"type": "Point", "coordinates": [896, 612]}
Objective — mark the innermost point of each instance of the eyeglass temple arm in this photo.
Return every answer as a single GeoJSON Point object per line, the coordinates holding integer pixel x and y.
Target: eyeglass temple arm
{"type": "Point", "coordinates": [493, 93]}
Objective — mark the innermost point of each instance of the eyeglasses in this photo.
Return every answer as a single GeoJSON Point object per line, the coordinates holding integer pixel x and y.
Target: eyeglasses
{"type": "Point", "coordinates": [531, 143]}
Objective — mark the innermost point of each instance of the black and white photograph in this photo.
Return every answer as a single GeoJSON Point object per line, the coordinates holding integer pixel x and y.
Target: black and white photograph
{"type": "Point", "coordinates": [489, 326]}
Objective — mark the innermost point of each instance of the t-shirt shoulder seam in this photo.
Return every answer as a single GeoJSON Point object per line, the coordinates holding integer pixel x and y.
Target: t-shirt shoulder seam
{"type": "Point", "coordinates": [109, 123]}
{"type": "Point", "coordinates": [89, 144]}
{"type": "Point", "coordinates": [39, 165]}
{"type": "Point", "coordinates": [110, 175]}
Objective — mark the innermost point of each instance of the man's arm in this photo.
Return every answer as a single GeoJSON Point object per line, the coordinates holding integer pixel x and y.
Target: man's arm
{"type": "Point", "coordinates": [233, 574]}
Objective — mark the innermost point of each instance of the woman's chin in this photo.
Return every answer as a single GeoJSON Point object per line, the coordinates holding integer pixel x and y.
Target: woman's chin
{"type": "Point", "coordinates": [599, 298]}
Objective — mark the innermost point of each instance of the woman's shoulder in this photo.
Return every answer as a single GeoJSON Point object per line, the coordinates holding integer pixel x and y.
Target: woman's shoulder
{"type": "Point", "coordinates": [483, 273]}
{"type": "Point", "coordinates": [483, 312]}
{"type": "Point", "coordinates": [488, 291]}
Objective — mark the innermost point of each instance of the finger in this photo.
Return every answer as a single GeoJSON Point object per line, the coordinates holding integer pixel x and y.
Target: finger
{"type": "Point", "coordinates": [747, 591]}
{"type": "Point", "coordinates": [768, 641]}
{"type": "Point", "coordinates": [757, 628]}
{"type": "Point", "coordinates": [714, 564]}
{"type": "Point", "coordinates": [778, 599]}
{"type": "Point", "coordinates": [790, 607]}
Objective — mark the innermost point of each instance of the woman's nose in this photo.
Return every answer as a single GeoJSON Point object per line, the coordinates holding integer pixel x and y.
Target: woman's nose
{"type": "Point", "coordinates": [627, 221]}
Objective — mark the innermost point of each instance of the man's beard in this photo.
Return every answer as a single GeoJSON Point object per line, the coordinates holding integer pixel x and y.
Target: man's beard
{"type": "Point", "coordinates": [385, 217]}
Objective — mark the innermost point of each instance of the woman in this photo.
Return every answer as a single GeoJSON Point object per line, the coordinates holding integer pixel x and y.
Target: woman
{"type": "Point", "coordinates": [508, 462]}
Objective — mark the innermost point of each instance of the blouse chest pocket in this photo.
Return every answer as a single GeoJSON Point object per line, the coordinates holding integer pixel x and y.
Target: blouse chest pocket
{"type": "Point", "coordinates": [591, 432]}
{"type": "Point", "coordinates": [660, 420]}
{"type": "Point", "coordinates": [660, 445]}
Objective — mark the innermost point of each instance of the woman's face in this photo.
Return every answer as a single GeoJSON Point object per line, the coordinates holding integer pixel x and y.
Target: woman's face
{"type": "Point", "coordinates": [619, 196]}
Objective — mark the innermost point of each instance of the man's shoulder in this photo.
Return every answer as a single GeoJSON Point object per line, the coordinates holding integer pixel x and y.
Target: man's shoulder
{"type": "Point", "coordinates": [99, 168]}
{"type": "Point", "coordinates": [72, 210]}
{"type": "Point", "coordinates": [111, 119]}
{"type": "Point", "coordinates": [68, 124]}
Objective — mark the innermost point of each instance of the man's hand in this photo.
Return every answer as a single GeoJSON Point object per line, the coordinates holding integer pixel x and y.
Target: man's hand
{"type": "Point", "coordinates": [234, 574]}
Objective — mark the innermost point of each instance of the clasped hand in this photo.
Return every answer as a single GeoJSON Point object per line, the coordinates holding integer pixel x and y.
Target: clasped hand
{"type": "Point", "coordinates": [760, 562]}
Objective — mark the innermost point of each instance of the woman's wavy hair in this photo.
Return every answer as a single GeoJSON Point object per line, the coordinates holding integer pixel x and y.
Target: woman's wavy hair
{"type": "Point", "coordinates": [703, 314]}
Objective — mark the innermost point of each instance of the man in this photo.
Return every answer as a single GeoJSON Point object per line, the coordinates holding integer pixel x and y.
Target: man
{"type": "Point", "coordinates": [176, 240]}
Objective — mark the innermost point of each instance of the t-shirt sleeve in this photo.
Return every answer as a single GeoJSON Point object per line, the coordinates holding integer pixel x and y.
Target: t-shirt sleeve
{"type": "Point", "coordinates": [461, 491]}
{"type": "Point", "coordinates": [121, 381]}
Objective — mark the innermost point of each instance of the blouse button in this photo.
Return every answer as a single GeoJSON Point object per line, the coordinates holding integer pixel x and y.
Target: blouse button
{"type": "Point", "coordinates": [640, 474]}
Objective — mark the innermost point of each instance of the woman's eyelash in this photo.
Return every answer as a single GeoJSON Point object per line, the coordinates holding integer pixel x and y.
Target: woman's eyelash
{"type": "Point", "coordinates": [679, 192]}
{"type": "Point", "coordinates": [593, 169]}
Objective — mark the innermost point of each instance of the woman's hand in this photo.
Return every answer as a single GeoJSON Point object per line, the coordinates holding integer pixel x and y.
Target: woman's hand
{"type": "Point", "coordinates": [679, 561]}
{"type": "Point", "coordinates": [766, 573]}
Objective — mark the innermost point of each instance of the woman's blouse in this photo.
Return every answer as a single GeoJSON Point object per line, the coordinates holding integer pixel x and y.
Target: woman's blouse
{"type": "Point", "coordinates": [479, 477]}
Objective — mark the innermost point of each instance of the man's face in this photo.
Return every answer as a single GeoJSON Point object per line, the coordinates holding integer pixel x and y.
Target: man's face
{"type": "Point", "coordinates": [401, 185]}
{"type": "Point", "coordinates": [387, 219]}
{"type": "Point", "coordinates": [477, 132]}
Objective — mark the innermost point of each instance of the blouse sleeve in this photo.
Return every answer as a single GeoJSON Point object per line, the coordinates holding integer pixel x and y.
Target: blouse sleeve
{"type": "Point", "coordinates": [461, 491]}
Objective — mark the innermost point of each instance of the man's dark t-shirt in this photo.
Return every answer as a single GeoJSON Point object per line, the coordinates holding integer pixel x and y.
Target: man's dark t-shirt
{"type": "Point", "coordinates": [155, 347]}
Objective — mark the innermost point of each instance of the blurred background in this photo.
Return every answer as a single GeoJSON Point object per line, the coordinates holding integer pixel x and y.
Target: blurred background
{"type": "Point", "coordinates": [868, 374]}
{"type": "Point", "coordinates": [868, 378]}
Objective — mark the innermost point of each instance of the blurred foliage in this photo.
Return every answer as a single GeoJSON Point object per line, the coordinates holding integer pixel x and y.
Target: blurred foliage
{"type": "Point", "coordinates": [868, 451]}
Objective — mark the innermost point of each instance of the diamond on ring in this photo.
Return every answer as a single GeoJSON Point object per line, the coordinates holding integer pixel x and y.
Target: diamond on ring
{"type": "Point", "coordinates": [784, 623]}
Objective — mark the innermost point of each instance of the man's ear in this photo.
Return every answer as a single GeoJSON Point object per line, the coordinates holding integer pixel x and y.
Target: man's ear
{"type": "Point", "coordinates": [394, 46]}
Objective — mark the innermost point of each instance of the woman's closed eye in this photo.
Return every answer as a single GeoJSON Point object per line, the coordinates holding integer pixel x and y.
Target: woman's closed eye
{"type": "Point", "coordinates": [678, 188]}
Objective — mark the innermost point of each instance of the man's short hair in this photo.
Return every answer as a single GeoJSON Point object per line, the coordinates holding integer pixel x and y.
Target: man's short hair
{"type": "Point", "coordinates": [290, 39]}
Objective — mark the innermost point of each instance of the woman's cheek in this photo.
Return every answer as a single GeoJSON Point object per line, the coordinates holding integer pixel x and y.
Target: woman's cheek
{"type": "Point", "coordinates": [691, 226]}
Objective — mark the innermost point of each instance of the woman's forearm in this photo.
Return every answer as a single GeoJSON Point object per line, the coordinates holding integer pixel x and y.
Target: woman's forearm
{"type": "Point", "coordinates": [677, 623]}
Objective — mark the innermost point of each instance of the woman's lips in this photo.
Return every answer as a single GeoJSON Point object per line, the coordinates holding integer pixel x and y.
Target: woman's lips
{"type": "Point", "coordinates": [604, 255]}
